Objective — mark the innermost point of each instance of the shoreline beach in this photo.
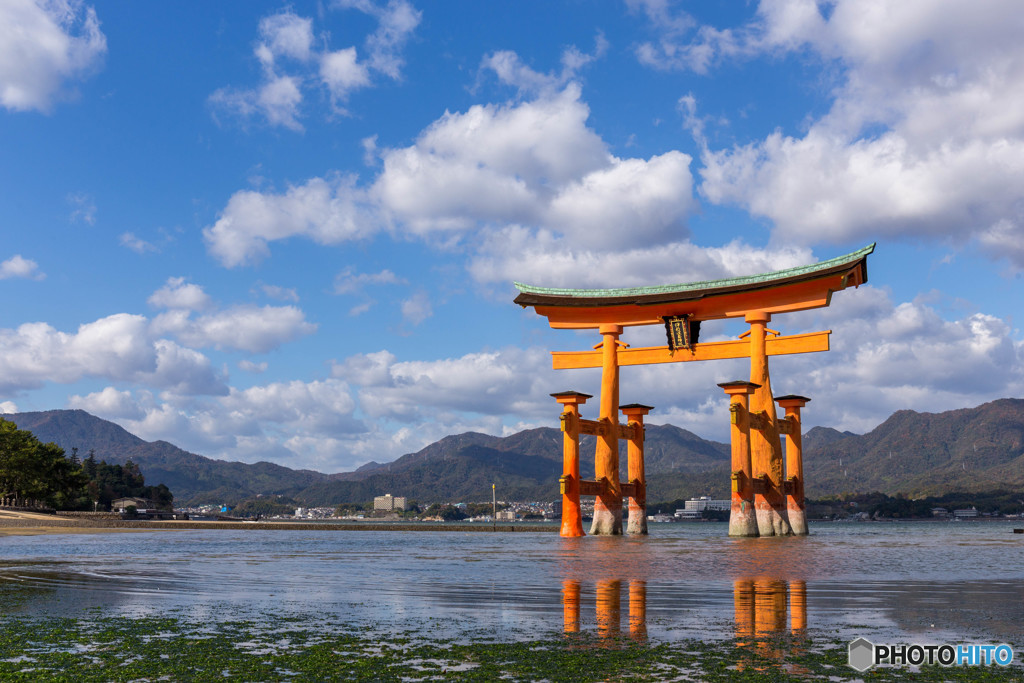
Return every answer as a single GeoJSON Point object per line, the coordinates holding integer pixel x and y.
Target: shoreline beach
{"type": "Point", "coordinates": [18, 523]}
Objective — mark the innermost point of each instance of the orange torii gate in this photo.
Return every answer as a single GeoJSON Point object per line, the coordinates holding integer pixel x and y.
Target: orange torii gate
{"type": "Point", "coordinates": [767, 494]}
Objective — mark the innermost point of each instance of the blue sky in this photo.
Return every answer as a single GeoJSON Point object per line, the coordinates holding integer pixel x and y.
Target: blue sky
{"type": "Point", "coordinates": [288, 232]}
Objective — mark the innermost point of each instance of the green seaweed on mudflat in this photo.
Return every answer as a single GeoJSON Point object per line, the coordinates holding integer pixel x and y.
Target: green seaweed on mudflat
{"type": "Point", "coordinates": [105, 648]}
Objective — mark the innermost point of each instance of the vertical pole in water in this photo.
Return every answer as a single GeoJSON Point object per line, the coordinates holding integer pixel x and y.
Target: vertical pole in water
{"type": "Point", "coordinates": [637, 521]}
{"type": "Point", "coordinates": [795, 463]}
{"type": "Point", "coordinates": [765, 444]}
{"type": "Point", "coordinates": [742, 521]}
{"type": "Point", "coordinates": [608, 505]}
{"type": "Point", "coordinates": [494, 509]}
{"type": "Point", "coordinates": [572, 515]}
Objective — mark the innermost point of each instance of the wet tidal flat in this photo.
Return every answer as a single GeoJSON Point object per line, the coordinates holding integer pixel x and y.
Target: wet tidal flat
{"type": "Point", "coordinates": [685, 603]}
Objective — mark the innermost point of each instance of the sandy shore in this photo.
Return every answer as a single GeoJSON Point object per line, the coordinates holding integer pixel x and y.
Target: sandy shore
{"type": "Point", "coordinates": [50, 530]}
{"type": "Point", "coordinates": [18, 523]}
{"type": "Point", "coordinates": [14, 523]}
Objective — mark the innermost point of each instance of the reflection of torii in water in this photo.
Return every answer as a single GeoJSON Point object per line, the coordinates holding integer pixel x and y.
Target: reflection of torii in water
{"type": "Point", "coordinates": [767, 497]}
{"type": "Point", "coordinates": [607, 607]}
{"type": "Point", "coordinates": [761, 607]}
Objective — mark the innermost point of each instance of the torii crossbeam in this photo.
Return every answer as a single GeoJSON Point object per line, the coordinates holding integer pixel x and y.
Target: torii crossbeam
{"type": "Point", "coordinates": [767, 493]}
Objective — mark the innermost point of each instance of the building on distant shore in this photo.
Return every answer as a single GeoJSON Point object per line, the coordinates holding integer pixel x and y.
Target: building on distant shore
{"type": "Point", "coordinates": [696, 506]}
{"type": "Point", "coordinates": [388, 503]}
{"type": "Point", "coordinates": [965, 513]}
{"type": "Point", "coordinates": [122, 504]}
{"type": "Point", "coordinates": [707, 503]}
{"type": "Point", "coordinates": [506, 515]}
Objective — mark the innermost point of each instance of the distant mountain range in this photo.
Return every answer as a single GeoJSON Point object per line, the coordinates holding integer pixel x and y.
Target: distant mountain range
{"type": "Point", "coordinates": [973, 449]}
{"type": "Point", "coordinates": [913, 453]}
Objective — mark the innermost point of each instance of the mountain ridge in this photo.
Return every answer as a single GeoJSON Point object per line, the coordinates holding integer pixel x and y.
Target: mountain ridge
{"type": "Point", "coordinates": [966, 449]}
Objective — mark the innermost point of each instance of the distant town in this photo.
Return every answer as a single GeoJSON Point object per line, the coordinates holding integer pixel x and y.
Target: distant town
{"type": "Point", "coordinates": [388, 507]}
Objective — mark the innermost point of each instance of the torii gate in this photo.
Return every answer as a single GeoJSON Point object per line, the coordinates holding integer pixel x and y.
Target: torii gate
{"type": "Point", "coordinates": [767, 498]}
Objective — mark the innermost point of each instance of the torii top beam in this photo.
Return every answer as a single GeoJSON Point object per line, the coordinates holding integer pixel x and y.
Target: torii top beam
{"type": "Point", "coordinates": [782, 291]}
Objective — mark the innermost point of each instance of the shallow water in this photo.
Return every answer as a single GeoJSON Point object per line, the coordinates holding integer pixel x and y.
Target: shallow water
{"type": "Point", "coordinates": [927, 582]}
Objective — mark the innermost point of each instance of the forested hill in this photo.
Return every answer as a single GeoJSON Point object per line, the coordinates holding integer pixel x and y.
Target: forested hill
{"type": "Point", "coordinates": [459, 467]}
{"type": "Point", "coordinates": [913, 453]}
{"type": "Point", "coordinates": [973, 449]}
{"type": "Point", "coordinates": [189, 476]}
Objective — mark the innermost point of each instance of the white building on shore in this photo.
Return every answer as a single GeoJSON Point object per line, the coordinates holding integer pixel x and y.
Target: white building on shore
{"type": "Point", "coordinates": [388, 503]}
{"type": "Point", "coordinates": [696, 506]}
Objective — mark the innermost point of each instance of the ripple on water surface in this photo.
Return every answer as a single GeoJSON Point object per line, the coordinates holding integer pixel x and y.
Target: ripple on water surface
{"type": "Point", "coordinates": [905, 580]}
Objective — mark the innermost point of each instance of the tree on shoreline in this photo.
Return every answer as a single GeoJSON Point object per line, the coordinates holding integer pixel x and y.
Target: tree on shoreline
{"type": "Point", "coordinates": [110, 482]}
{"type": "Point", "coordinates": [34, 474]}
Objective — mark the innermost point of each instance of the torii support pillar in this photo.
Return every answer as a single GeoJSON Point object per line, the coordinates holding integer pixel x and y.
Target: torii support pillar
{"type": "Point", "coordinates": [742, 521]}
{"type": "Point", "coordinates": [608, 505]}
{"type": "Point", "coordinates": [765, 444]}
{"type": "Point", "coordinates": [634, 412]}
{"type": "Point", "coordinates": [572, 516]}
{"type": "Point", "coordinates": [794, 462]}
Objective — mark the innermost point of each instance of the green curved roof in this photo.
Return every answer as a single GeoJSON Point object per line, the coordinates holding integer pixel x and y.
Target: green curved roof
{"type": "Point", "coordinates": [727, 283]}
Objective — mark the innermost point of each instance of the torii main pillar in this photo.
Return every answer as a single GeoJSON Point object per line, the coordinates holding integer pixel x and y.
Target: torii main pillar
{"type": "Point", "coordinates": [608, 505]}
{"type": "Point", "coordinates": [765, 443]}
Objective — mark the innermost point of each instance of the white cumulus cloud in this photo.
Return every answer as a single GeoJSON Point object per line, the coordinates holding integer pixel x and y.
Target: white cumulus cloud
{"type": "Point", "coordinates": [471, 175]}
{"type": "Point", "coordinates": [280, 293]}
{"type": "Point", "coordinates": [177, 293]}
{"type": "Point", "coordinates": [487, 383]}
{"type": "Point", "coordinates": [397, 20]}
{"type": "Point", "coordinates": [292, 63]}
{"type": "Point", "coordinates": [45, 45]}
{"type": "Point", "coordinates": [19, 266]}
{"type": "Point", "coordinates": [300, 424]}
{"type": "Point", "coordinates": [510, 69]}
{"type": "Point", "coordinates": [491, 163]}
{"type": "Point", "coordinates": [924, 137]}
{"type": "Point", "coordinates": [244, 327]}
{"type": "Point", "coordinates": [285, 34]}
{"type": "Point", "coordinates": [342, 73]}
{"type": "Point", "coordinates": [119, 347]}
{"type": "Point", "coordinates": [417, 308]}
{"type": "Point", "coordinates": [109, 403]}
{"type": "Point", "coordinates": [328, 211]}
{"type": "Point", "coordinates": [250, 366]}
{"type": "Point", "coordinates": [519, 254]}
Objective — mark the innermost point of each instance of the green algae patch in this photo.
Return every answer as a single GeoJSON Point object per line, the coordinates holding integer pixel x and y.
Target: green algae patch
{"type": "Point", "coordinates": [106, 648]}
